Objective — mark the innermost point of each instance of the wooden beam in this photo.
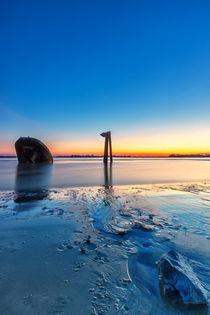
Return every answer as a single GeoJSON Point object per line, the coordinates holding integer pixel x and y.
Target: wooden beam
{"type": "Point", "coordinates": [107, 146]}
{"type": "Point", "coordinates": [106, 150]}
{"type": "Point", "coordinates": [110, 147]}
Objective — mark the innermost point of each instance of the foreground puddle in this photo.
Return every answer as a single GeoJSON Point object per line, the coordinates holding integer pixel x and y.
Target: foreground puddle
{"type": "Point", "coordinates": [95, 250]}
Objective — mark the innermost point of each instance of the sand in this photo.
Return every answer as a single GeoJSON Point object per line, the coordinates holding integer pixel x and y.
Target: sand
{"type": "Point", "coordinates": [93, 250]}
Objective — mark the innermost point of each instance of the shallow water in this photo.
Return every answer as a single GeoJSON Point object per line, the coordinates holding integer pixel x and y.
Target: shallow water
{"type": "Point", "coordinates": [71, 172]}
{"type": "Point", "coordinates": [93, 250]}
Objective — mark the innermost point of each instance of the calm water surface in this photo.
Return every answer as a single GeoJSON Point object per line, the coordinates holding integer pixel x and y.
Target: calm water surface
{"type": "Point", "coordinates": [70, 172]}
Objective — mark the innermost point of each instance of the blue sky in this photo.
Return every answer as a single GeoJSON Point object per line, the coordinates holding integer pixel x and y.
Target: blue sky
{"type": "Point", "coordinates": [71, 69]}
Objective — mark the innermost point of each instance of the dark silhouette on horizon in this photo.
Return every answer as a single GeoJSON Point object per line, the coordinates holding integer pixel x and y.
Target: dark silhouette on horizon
{"type": "Point", "coordinates": [107, 146]}
{"type": "Point", "coordinates": [32, 151]}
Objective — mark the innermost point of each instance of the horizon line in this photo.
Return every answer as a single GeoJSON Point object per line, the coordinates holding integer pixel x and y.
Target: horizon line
{"type": "Point", "coordinates": [5, 155]}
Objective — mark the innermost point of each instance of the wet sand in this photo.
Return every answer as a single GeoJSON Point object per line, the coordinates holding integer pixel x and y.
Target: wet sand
{"type": "Point", "coordinates": [93, 250]}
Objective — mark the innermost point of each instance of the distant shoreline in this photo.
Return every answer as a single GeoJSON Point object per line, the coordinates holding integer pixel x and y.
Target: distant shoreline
{"type": "Point", "coordinates": [189, 155]}
{"type": "Point", "coordinates": [120, 156]}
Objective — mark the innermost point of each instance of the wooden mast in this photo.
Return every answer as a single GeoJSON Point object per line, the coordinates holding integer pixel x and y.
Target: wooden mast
{"type": "Point", "coordinates": [107, 146]}
{"type": "Point", "coordinates": [106, 150]}
{"type": "Point", "coordinates": [110, 147]}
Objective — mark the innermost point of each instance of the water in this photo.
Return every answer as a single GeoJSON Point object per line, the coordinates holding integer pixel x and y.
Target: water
{"type": "Point", "coordinates": [70, 172]}
{"type": "Point", "coordinates": [78, 238]}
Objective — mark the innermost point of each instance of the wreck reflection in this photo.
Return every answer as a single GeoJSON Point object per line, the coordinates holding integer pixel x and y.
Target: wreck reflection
{"type": "Point", "coordinates": [32, 182]}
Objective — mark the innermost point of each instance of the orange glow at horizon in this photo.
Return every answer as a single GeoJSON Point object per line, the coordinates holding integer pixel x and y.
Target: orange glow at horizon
{"type": "Point", "coordinates": [162, 144]}
{"type": "Point", "coordinates": [189, 141]}
{"type": "Point", "coordinates": [141, 153]}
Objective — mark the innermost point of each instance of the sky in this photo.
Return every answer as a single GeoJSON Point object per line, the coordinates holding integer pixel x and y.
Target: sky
{"type": "Point", "coordinates": [70, 70]}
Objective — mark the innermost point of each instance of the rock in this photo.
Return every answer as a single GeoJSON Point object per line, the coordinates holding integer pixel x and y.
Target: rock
{"type": "Point", "coordinates": [143, 226]}
{"type": "Point", "coordinates": [31, 151]}
{"type": "Point", "coordinates": [179, 281]}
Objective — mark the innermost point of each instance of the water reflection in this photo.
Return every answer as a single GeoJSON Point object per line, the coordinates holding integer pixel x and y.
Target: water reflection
{"type": "Point", "coordinates": [32, 182]}
{"type": "Point", "coordinates": [108, 175]}
{"type": "Point", "coordinates": [181, 308]}
{"type": "Point", "coordinates": [108, 192]}
{"type": "Point", "coordinates": [80, 172]}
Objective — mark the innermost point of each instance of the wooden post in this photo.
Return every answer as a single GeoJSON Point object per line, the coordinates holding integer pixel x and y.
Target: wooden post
{"type": "Point", "coordinates": [106, 150]}
{"type": "Point", "coordinates": [107, 146]}
{"type": "Point", "coordinates": [110, 147]}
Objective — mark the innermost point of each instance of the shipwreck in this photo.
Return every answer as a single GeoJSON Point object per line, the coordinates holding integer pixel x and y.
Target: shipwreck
{"type": "Point", "coordinates": [32, 151]}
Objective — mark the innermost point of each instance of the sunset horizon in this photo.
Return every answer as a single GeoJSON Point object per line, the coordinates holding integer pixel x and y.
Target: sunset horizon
{"type": "Point", "coordinates": [119, 154]}
{"type": "Point", "coordinates": [105, 157]}
{"type": "Point", "coordinates": [143, 75]}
